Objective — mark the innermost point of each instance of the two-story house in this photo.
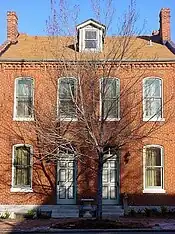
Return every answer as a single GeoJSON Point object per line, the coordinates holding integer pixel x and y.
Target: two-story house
{"type": "Point", "coordinates": [68, 100]}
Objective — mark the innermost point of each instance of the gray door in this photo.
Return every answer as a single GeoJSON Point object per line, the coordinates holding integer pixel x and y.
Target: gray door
{"type": "Point", "coordinates": [110, 189]}
{"type": "Point", "coordinates": [66, 182]}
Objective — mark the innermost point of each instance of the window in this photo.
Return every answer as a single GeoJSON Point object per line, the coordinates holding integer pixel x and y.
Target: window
{"type": "Point", "coordinates": [153, 168]}
{"type": "Point", "coordinates": [110, 98]}
{"type": "Point", "coordinates": [90, 39]}
{"type": "Point", "coordinates": [67, 98]}
{"type": "Point", "coordinates": [152, 99]}
{"type": "Point", "coordinates": [22, 168]}
{"type": "Point", "coordinates": [23, 109]}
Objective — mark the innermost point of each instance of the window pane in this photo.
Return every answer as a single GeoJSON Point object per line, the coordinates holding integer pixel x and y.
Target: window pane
{"type": "Point", "coordinates": [24, 87]}
{"type": "Point", "coordinates": [24, 107]}
{"type": "Point", "coordinates": [110, 87]}
{"type": "Point", "coordinates": [153, 88]}
{"type": "Point", "coordinates": [67, 88]}
{"type": "Point", "coordinates": [67, 108]}
{"type": "Point", "coordinates": [153, 177]}
{"type": "Point", "coordinates": [90, 34]}
{"type": "Point", "coordinates": [153, 107]}
{"type": "Point", "coordinates": [91, 44]}
{"type": "Point", "coordinates": [153, 156]}
{"type": "Point", "coordinates": [111, 108]}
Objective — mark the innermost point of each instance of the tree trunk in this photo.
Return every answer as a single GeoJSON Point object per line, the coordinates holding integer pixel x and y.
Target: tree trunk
{"type": "Point", "coordinates": [99, 188]}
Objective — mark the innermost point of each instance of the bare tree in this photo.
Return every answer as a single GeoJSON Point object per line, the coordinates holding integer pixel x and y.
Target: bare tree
{"type": "Point", "coordinates": [91, 113]}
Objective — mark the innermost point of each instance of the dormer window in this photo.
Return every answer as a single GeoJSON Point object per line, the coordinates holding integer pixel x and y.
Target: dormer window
{"type": "Point", "coordinates": [90, 39]}
{"type": "Point", "coordinates": [90, 36]}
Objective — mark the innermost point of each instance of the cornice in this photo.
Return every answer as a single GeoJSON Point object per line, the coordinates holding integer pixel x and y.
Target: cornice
{"type": "Point", "coordinates": [40, 65]}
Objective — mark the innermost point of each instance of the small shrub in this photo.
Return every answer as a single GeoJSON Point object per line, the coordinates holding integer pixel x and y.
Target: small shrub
{"type": "Point", "coordinates": [132, 213]}
{"type": "Point", "coordinates": [5, 215]}
{"type": "Point", "coordinates": [148, 212]}
{"type": "Point", "coordinates": [43, 214]}
{"type": "Point", "coordinates": [30, 214]}
{"type": "Point", "coordinates": [164, 210]}
{"type": "Point", "coordinates": [139, 212]}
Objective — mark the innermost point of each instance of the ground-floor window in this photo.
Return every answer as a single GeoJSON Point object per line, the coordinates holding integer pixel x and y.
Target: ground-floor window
{"type": "Point", "coordinates": [153, 167]}
{"type": "Point", "coordinates": [22, 167]}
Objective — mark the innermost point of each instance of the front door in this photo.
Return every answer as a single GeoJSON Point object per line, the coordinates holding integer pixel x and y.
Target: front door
{"type": "Point", "coordinates": [66, 181]}
{"type": "Point", "coordinates": [110, 188]}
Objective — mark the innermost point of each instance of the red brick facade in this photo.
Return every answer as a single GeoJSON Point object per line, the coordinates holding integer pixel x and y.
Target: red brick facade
{"type": "Point", "coordinates": [45, 94]}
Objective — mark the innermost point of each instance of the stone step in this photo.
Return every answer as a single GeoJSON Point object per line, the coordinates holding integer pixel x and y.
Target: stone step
{"type": "Point", "coordinates": [109, 211]}
{"type": "Point", "coordinates": [65, 211]}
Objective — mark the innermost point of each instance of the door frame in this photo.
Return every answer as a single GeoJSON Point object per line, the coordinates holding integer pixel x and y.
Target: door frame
{"type": "Point", "coordinates": [67, 157]}
{"type": "Point", "coordinates": [117, 182]}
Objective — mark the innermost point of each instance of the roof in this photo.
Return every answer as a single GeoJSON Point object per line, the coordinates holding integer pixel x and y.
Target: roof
{"type": "Point", "coordinates": [93, 22]}
{"type": "Point", "coordinates": [63, 48]}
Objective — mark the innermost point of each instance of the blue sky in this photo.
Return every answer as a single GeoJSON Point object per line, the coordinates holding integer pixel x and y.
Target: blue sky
{"type": "Point", "coordinates": [32, 14]}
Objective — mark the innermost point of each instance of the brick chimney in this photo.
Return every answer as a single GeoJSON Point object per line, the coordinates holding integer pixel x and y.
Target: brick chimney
{"type": "Point", "coordinates": [12, 27]}
{"type": "Point", "coordinates": [165, 25]}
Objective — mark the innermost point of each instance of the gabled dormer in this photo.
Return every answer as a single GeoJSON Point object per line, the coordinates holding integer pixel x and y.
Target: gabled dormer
{"type": "Point", "coordinates": [90, 36]}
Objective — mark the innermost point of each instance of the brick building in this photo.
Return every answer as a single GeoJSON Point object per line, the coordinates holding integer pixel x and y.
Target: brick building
{"type": "Point", "coordinates": [128, 88]}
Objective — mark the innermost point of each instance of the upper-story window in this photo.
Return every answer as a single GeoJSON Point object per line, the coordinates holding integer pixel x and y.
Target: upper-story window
{"type": "Point", "coordinates": [152, 99]}
{"type": "Point", "coordinates": [23, 103]}
{"type": "Point", "coordinates": [110, 98]}
{"type": "Point", "coordinates": [22, 168]}
{"type": "Point", "coordinates": [90, 36]}
{"type": "Point", "coordinates": [153, 162]}
{"type": "Point", "coordinates": [67, 90]}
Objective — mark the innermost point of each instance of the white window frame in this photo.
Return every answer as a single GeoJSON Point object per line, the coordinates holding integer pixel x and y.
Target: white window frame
{"type": "Point", "coordinates": [97, 39]}
{"type": "Point", "coordinates": [82, 39]}
{"type": "Point", "coordinates": [58, 99]}
{"type": "Point", "coordinates": [15, 117]}
{"type": "Point", "coordinates": [155, 189]}
{"type": "Point", "coordinates": [25, 188]}
{"type": "Point", "coordinates": [109, 118]}
{"type": "Point", "coordinates": [153, 118]}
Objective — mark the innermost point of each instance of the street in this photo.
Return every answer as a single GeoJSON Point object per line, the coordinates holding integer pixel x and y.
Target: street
{"type": "Point", "coordinates": [102, 231]}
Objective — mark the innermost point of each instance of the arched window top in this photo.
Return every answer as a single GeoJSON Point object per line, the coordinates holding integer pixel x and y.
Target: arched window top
{"type": "Point", "coordinates": [153, 78]}
{"type": "Point", "coordinates": [153, 146]}
{"type": "Point", "coordinates": [67, 78]}
{"type": "Point", "coordinates": [23, 146]}
{"type": "Point", "coordinates": [24, 78]}
{"type": "Point", "coordinates": [110, 78]}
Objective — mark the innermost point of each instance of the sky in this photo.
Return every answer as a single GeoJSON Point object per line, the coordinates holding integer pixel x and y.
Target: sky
{"type": "Point", "coordinates": [33, 14]}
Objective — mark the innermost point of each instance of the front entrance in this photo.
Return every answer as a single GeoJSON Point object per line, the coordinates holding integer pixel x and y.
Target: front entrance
{"type": "Point", "coordinates": [110, 189]}
{"type": "Point", "coordinates": [66, 181]}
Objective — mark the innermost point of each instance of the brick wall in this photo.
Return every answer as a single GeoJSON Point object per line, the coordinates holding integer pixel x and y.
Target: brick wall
{"type": "Point", "coordinates": [131, 174]}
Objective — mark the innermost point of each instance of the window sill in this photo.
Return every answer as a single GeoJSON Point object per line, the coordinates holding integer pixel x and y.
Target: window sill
{"type": "Point", "coordinates": [90, 50]}
{"type": "Point", "coordinates": [156, 190]}
{"type": "Point", "coordinates": [112, 119]}
{"type": "Point", "coordinates": [23, 119]}
{"type": "Point", "coordinates": [68, 119]}
{"type": "Point", "coordinates": [153, 120]}
{"type": "Point", "coordinates": [21, 190]}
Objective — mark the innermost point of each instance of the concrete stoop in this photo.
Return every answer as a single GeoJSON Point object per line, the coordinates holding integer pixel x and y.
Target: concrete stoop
{"type": "Point", "coordinates": [112, 211]}
{"type": "Point", "coordinates": [60, 211]}
{"type": "Point", "coordinates": [65, 211]}
{"type": "Point", "coordinates": [72, 211]}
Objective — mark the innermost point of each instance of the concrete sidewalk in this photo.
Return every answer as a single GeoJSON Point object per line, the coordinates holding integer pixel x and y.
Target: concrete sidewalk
{"type": "Point", "coordinates": [8, 226]}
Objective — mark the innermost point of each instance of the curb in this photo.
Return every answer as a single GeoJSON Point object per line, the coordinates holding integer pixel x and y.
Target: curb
{"type": "Point", "coordinates": [51, 230]}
